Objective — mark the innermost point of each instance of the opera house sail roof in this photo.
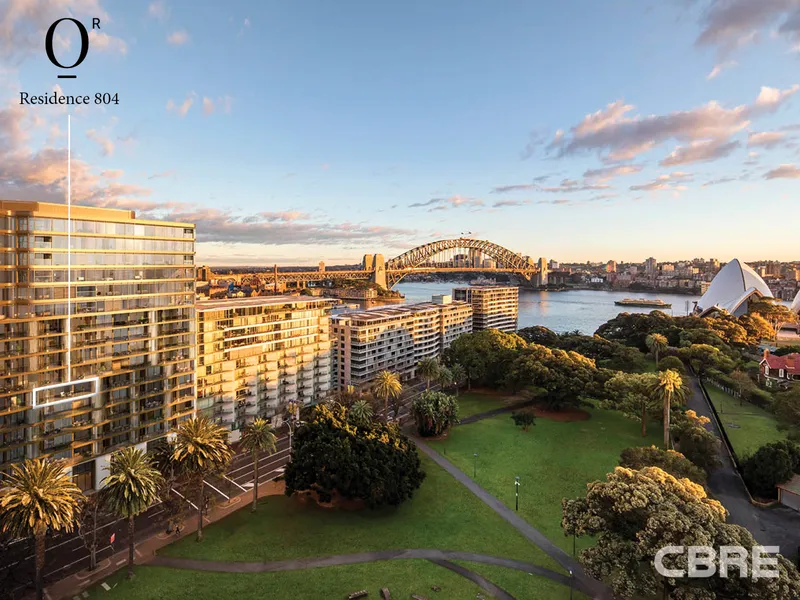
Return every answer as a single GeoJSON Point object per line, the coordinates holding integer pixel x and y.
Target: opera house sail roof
{"type": "Point", "coordinates": [796, 304]}
{"type": "Point", "coordinates": [732, 289]}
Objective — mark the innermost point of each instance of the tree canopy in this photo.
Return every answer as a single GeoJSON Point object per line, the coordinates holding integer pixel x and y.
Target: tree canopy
{"type": "Point", "coordinates": [434, 412]}
{"type": "Point", "coordinates": [485, 355]}
{"type": "Point", "coordinates": [770, 465]}
{"type": "Point", "coordinates": [674, 463]}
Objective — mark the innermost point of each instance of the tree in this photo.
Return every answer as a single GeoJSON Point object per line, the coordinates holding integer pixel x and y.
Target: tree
{"type": "Point", "coordinates": [539, 335]}
{"type": "Point", "coordinates": [90, 517]}
{"type": "Point", "coordinates": [775, 313]}
{"type": "Point", "coordinates": [258, 437]}
{"type": "Point", "coordinates": [458, 374]}
{"type": "Point", "coordinates": [694, 441]}
{"type": "Point", "coordinates": [674, 463]}
{"type": "Point", "coordinates": [656, 343]}
{"type": "Point", "coordinates": [634, 514]}
{"type": "Point", "coordinates": [606, 353]}
{"type": "Point", "coordinates": [445, 377]}
{"type": "Point", "coordinates": [376, 464]}
{"type": "Point", "coordinates": [428, 368]}
{"type": "Point", "coordinates": [703, 357]}
{"type": "Point", "coordinates": [434, 413]}
{"type": "Point", "coordinates": [669, 387]}
{"type": "Point", "coordinates": [360, 414]}
{"type": "Point", "coordinates": [387, 385]}
{"type": "Point", "coordinates": [485, 355]}
{"type": "Point", "coordinates": [39, 496]}
{"type": "Point", "coordinates": [770, 465]}
{"type": "Point", "coordinates": [631, 393]}
{"type": "Point", "coordinates": [130, 488]}
{"type": "Point", "coordinates": [524, 419]}
{"type": "Point", "coordinates": [757, 328]}
{"type": "Point", "coordinates": [784, 350]}
{"type": "Point", "coordinates": [162, 457]}
{"type": "Point", "coordinates": [787, 406]}
{"type": "Point", "coordinates": [201, 448]}
{"type": "Point", "coordinates": [672, 363]}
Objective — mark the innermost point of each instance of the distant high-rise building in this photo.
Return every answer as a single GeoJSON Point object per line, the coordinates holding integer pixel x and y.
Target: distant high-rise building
{"type": "Point", "coordinates": [651, 266]}
{"type": "Point", "coordinates": [255, 355]}
{"type": "Point", "coordinates": [611, 267]}
{"type": "Point", "coordinates": [493, 306]}
{"type": "Point", "coordinates": [543, 270]}
{"type": "Point", "coordinates": [204, 273]}
{"type": "Point", "coordinates": [97, 333]}
{"type": "Point", "coordinates": [554, 266]}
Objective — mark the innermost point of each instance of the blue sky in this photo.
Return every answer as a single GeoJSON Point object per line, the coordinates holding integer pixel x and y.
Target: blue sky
{"type": "Point", "coordinates": [297, 131]}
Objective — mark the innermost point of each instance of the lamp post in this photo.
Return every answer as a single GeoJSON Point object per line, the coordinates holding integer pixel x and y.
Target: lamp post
{"type": "Point", "coordinates": [516, 493]}
{"type": "Point", "coordinates": [570, 584]}
{"type": "Point", "coordinates": [475, 466]}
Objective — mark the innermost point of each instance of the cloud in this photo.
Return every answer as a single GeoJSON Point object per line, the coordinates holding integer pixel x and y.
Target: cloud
{"type": "Point", "coordinates": [183, 109]}
{"type": "Point", "coordinates": [208, 106]}
{"type": "Point", "coordinates": [111, 173]}
{"type": "Point", "coordinates": [573, 185]}
{"type": "Point", "coordinates": [162, 175]}
{"type": "Point", "coordinates": [670, 182]}
{"type": "Point", "coordinates": [608, 173]}
{"type": "Point", "coordinates": [286, 216]}
{"type": "Point", "coordinates": [158, 10]}
{"type": "Point", "coordinates": [178, 38]}
{"type": "Point", "coordinates": [765, 139]}
{"type": "Point", "coordinates": [785, 171]}
{"type": "Point", "coordinates": [719, 181]}
{"type": "Point", "coordinates": [106, 145]}
{"type": "Point", "coordinates": [617, 136]}
{"type": "Point", "coordinates": [448, 203]}
{"type": "Point", "coordinates": [502, 203]}
{"type": "Point", "coordinates": [731, 24]}
{"type": "Point", "coordinates": [704, 151]}
{"type": "Point", "coordinates": [103, 42]}
{"type": "Point", "coordinates": [718, 68]}
{"type": "Point", "coordinates": [505, 189]}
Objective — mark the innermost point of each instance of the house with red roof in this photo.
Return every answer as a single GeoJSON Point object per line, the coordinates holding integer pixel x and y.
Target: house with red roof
{"type": "Point", "coordinates": [780, 371]}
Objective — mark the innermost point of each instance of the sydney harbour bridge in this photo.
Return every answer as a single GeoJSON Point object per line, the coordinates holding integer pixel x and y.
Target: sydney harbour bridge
{"type": "Point", "coordinates": [442, 256]}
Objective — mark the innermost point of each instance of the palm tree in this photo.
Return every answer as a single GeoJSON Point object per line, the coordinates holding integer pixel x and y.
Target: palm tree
{"type": "Point", "coordinates": [458, 375]}
{"type": "Point", "coordinates": [387, 385]}
{"type": "Point", "coordinates": [667, 388]}
{"type": "Point", "coordinates": [656, 343]}
{"type": "Point", "coordinates": [445, 377]}
{"type": "Point", "coordinates": [201, 448]}
{"type": "Point", "coordinates": [429, 370]}
{"type": "Point", "coordinates": [258, 437]}
{"type": "Point", "coordinates": [38, 496]}
{"type": "Point", "coordinates": [360, 413]}
{"type": "Point", "coordinates": [162, 458]}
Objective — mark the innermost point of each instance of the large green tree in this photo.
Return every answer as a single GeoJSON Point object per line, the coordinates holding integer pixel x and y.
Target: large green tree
{"type": "Point", "coordinates": [656, 344]}
{"type": "Point", "coordinates": [201, 449]}
{"type": "Point", "coordinates": [674, 463]}
{"type": "Point", "coordinates": [694, 441]}
{"type": "Point", "coordinates": [376, 464]}
{"type": "Point", "coordinates": [39, 496]}
{"type": "Point", "coordinates": [428, 369]}
{"type": "Point", "coordinates": [458, 374]}
{"type": "Point", "coordinates": [434, 413]}
{"type": "Point", "coordinates": [130, 488]}
{"type": "Point", "coordinates": [258, 438]}
{"type": "Point", "coordinates": [631, 393]}
{"type": "Point", "coordinates": [485, 355]}
{"type": "Point", "coordinates": [769, 466]}
{"type": "Point", "coordinates": [634, 514]}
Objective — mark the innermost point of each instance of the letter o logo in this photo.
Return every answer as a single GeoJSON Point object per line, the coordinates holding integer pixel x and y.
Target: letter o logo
{"type": "Point", "coordinates": [48, 43]}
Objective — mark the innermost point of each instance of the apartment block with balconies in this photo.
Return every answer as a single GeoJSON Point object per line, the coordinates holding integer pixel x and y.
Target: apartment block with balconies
{"type": "Point", "coordinates": [394, 338]}
{"type": "Point", "coordinates": [99, 308]}
{"type": "Point", "coordinates": [493, 306]}
{"type": "Point", "coordinates": [255, 355]}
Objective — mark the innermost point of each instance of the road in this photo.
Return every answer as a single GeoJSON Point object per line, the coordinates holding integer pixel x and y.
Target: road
{"type": "Point", "coordinates": [67, 554]}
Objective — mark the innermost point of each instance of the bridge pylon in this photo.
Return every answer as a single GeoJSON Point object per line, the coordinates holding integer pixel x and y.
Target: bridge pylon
{"type": "Point", "coordinates": [379, 271]}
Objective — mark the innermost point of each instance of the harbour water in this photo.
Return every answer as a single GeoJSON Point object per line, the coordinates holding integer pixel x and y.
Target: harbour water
{"type": "Point", "coordinates": [584, 310]}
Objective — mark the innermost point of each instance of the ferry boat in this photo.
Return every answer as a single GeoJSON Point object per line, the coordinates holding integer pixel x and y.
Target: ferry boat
{"type": "Point", "coordinates": [643, 302]}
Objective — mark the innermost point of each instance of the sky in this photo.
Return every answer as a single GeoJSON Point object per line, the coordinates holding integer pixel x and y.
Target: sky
{"type": "Point", "coordinates": [305, 130]}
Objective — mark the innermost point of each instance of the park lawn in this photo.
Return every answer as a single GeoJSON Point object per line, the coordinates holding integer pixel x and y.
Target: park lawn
{"type": "Point", "coordinates": [402, 577]}
{"type": "Point", "coordinates": [748, 426]}
{"type": "Point", "coordinates": [476, 402]}
{"type": "Point", "coordinates": [553, 460]}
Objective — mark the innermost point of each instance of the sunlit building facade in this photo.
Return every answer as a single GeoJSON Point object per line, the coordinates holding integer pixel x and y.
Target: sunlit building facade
{"type": "Point", "coordinates": [493, 306]}
{"type": "Point", "coordinates": [258, 354]}
{"type": "Point", "coordinates": [97, 333]}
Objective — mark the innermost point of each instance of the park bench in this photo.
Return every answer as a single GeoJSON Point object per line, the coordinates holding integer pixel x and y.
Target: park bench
{"type": "Point", "coordinates": [357, 595]}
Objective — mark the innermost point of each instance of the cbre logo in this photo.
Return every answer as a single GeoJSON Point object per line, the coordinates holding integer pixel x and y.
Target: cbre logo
{"type": "Point", "coordinates": [84, 34]}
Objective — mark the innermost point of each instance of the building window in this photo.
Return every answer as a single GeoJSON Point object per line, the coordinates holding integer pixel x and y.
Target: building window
{"type": "Point", "coordinates": [83, 476]}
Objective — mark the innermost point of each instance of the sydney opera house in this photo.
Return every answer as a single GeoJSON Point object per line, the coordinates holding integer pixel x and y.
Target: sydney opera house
{"type": "Point", "coordinates": [734, 287]}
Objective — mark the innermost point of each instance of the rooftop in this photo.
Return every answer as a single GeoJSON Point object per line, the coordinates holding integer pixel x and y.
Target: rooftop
{"type": "Point", "coordinates": [790, 363]}
{"type": "Point", "coordinates": [734, 285]}
{"type": "Point", "coordinates": [390, 312]}
{"type": "Point", "coordinates": [88, 213]}
{"type": "Point", "coordinates": [234, 303]}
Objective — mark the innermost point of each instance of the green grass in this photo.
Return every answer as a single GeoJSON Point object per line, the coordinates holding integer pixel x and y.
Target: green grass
{"type": "Point", "coordinates": [748, 426]}
{"type": "Point", "coordinates": [473, 403]}
{"type": "Point", "coordinates": [442, 515]}
{"type": "Point", "coordinates": [402, 577]}
{"type": "Point", "coordinates": [553, 460]}
{"type": "Point", "coordinates": [531, 588]}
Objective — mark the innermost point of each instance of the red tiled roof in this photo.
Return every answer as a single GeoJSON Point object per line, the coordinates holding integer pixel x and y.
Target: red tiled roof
{"type": "Point", "coordinates": [790, 362]}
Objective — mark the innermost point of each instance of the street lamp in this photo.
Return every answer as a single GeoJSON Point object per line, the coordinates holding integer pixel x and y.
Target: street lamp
{"type": "Point", "coordinates": [570, 584]}
{"type": "Point", "coordinates": [475, 467]}
{"type": "Point", "coordinates": [516, 493]}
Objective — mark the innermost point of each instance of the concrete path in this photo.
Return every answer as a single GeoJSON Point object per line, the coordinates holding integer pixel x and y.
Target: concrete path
{"type": "Point", "coordinates": [497, 411]}
{"type": "Point", "coordinates": [773, 526]}
{"type": "Point", "coordinates": [584, 582]}
{"type": "Point", "coordinates": [485, 584]}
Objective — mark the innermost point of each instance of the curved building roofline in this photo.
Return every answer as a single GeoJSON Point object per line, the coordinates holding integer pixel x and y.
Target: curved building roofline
{"type": "Point", "coordinates": [734, 285]}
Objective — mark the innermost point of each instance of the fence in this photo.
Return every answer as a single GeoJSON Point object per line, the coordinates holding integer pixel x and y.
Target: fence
{"type": "Point", "coordinates": [720, 427]}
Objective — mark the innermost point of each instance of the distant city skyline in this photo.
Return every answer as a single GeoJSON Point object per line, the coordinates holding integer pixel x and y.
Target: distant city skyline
{"type": "Point", "coordinates": [296, 132]}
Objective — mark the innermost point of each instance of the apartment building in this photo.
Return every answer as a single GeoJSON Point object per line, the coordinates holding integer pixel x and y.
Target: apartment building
{"type": "Point", "coordinates": [257, 354]}
{"type": "Point", "coordinates": [395, 338]}
{"type": "Point", "coordinates": [493, 306]}
{"type": "Point", "coordinates": [97, 333]}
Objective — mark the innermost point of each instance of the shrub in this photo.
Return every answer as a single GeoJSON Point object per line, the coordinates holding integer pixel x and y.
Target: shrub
{"type": "Point", "coordinates": [376, 463]}
{"type": "Point", "coordinates": [672, 362]}
{"type": "Point", "coordinates": [770, 465]}
{"type": "Point", "coordinates": [694, 441]}
{"type": "Point", "coordinates": [674, 463]}
{"type": "Point", "coordinates": [434, 413]}
{"type": "Point", "coordinates": [524, 419]}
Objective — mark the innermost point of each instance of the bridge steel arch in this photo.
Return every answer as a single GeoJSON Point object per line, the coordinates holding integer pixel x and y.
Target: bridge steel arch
{"type": "Point", "coordinates": [416, 257]}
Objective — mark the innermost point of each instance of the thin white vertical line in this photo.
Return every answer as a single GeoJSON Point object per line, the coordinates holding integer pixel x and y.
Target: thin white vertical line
{"type": "Point", "coordinates": [69, 250]}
